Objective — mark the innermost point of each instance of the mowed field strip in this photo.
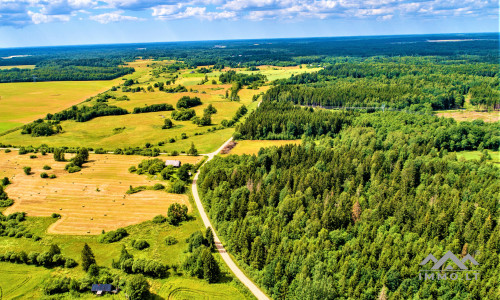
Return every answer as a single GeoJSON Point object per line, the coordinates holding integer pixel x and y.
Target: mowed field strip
{"type": "Point", "coordinates": [91, 200]}
{"type": "Point", "coordinates": [23, 102]}
{"type": "Point", "coordinates": [253, 146]}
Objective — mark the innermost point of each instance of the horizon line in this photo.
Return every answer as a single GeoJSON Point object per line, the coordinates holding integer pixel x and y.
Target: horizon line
{"type": "Point", "coordinates": [253, 39]}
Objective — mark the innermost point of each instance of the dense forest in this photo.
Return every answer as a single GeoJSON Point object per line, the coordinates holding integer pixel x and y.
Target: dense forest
{"type": "Point", "coordinates": [281, 121]}
{"type": "Point", "coordinates": [354, 218]}
{"type": "Point", "coordinates": [68, 69]}
{"type": "Point", "coordinates": [394, 82]}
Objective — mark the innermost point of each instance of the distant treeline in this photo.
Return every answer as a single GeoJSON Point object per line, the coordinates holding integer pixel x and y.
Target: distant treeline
{"type": "Point", "coordinates": [60, 73]}
{"type": "Point", "coordinates": [395, 82]}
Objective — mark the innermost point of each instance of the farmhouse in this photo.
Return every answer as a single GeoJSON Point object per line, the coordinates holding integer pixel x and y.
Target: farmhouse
{"type": "Point", "coordinates": [100, 289]}
{"type": "Point", "coordinates": [175, 163]}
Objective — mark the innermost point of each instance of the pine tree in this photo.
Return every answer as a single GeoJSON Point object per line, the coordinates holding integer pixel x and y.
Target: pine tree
{"type": "Point", "coordinates": [88, 258]}
{"type": "Point", "coordinates": [209, 236]}
{"type": "Point", "coordinates": [211, 271]}
{"type": "Point", "coordinates": [192, 151]}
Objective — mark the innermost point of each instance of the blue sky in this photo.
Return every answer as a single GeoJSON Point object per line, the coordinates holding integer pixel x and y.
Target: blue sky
{"type": "Point", "coordinates": [73, 22]}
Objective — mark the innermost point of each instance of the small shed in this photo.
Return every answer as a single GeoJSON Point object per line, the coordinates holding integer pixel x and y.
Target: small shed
{"type": "Point", "coordinates": [175, 163]}
{"type": "Point", "coordinates": [100, 289]}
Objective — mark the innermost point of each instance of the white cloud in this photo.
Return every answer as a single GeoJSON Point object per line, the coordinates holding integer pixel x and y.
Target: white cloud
{"type": "Point", "coordinates": [39, 18]}
{"type": "Point", "coordinates": [113, 17]}
{"type": "Point", "coordinates": [20, 13]}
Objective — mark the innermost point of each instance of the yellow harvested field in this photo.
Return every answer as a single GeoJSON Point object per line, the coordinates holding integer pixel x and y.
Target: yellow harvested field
{"type": "Point", "coordinates": [91, 200]}
{"type": "Point", "coordinates": [23, 102]}
{"type": "Point", "coordinates": [491, 117]}
{"type": "Point", "coordinates": [253, 146]}
{"type": "Point", "coordinates": [18, 66]}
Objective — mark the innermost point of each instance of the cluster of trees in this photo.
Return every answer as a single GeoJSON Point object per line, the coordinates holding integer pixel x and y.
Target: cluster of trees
{"type": "Point", "coordinates": [176, 89]}
{"type": "Point", "coordinates": [153, 108]}
{"type": "Point", "coordinates": [395, 82]}
{"type": "Point", "coordinates": [183, 114]}
{"type": "Point", "coordinates": [47, 259]}
{"type": "Point", "coordinates": [41, 128]}
{"type": "Point", "coordinates": [188, 102]}
{"type": "Point", "coordinates": [146, 151]}
{"type": "Point", "coordinates": [4, 198]}
{"type": "Point", "coordinates": [244, 79]}
{"type": "Point", "coordinates": [87, 113]}
{"type": "Point", "coordinates": [283, 121]}
{"type": "Point", "coordinates": [113, 236]}
{"type": "Point", "coordinates": [76, 163]}
{"type": "Point", "coordinates": [201, 263]}
{"type": "Point", "coordinates": [12, 226]}
{"type": "Point", "coordinates": [129, 265]}
{"type": "Point", "coordinates": [329, 221]}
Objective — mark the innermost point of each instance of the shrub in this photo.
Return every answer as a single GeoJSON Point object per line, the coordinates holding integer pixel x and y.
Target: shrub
{"type": "Point", "coordinates": [159, 219]}
{"type": "Point", "coordinates": [70, 263]}
{"type": "Point", "coordinates": [132, 169]}
{"type": "Point", "coordinates": [158, 186]}
{"type": "Point", "coordinates": [52, 176]}
{"type": "Point", "coordinates": [44, 175]}
{"type": "Point", "coordinates": [7, 150]}
{"type": "Point", "coordinates": [32, 156]}
{"type": "Point", "coordinates": [46, 167]}
{"type": "Point", "coordinates": [27, 170]}
{"type": "Point", "coordinates": [113, 236]}
{"type": "Point", "coordinates": [177, 187]}
{"type": "Point", "coordinates": [55, 215]}
{"type": "Point", "coordinates": [170, 240]}
{"type": "Point", "coordinates": [177, 213]}
{"type": "Point", "coordinates": [5, 181]}
{"type": "Point", "coordinates": [140, 244]}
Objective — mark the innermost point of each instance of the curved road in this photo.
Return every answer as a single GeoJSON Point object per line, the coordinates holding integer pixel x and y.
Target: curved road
{"type": "Point", "coordinates": [220, 248]}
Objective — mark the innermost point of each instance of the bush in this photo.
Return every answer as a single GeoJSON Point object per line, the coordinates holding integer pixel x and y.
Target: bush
{"type": "Point", "coordinates": [7, 150]}
{"type": "Point", "coordinates": [140, 244]}
{"type": "Point", "coordinates": [46, 167]}
{"type": "Point", "coordinates": [32, 156]}
{"type": "Point", "coordinates": [70, 263]}
{"type": "Point", "coordinates": [113, 236]}
{"type": "Point", "coordinates": [27, 170]}
{"type": "Point", "coordinates": [52, 176]}
{"type": "Point", "coordinates": [56, 285]}
{"type": "Point", "coordinates": [158, 186]}
{"type": "Point", "coordinates": [72, 168]}
{"type": "Point", "coordinates": [55, 216]}
{"type": "Point", "coordinates": [5, 181]}
{"type": "Point", "coordinates": [178, 187]}
{"type": "Point", "coordinates": [132, 169]}
{"type": "Point", "coordinates": [44, 175]}
{"type": "Point", "coordinates": [137, 288]}
{"type": "Point", "coordinates": [177, 213]}
{"type": "Point", "coordinates": [187, 102]}
{"type": "Point", "coordinates": [170, 240]}
{"type": "Point", "coordinates": [159, 219]}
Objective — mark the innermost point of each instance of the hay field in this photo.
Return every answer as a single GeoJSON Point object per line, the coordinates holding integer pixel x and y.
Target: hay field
{"type": "Point", "coordinates": [90, 200]}
{"type": "Point", "coordinates": [23, 102]}
{"type": "Point", "coordinates": [462, 115]}
{"type": "Point", "coordinates": [253, 146]}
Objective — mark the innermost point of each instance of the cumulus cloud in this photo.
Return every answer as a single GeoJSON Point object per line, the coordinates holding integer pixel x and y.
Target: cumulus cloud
{"type": "Point", "coordinates": [24, 12]}
{"type": "Point", "coordinates": [113, 17]}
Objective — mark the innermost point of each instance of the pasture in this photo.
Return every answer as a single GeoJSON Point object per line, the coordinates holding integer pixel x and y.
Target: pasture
{"type": "Point", "coordinates": [89, 201]}
{"type": "Point", "coordinates": [23, 102]}
{"type": "Point", "coordinates": [253, 146]}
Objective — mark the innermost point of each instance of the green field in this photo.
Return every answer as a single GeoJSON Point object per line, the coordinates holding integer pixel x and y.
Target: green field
{"type": "Point", "coordinates": [495, 155]}
{"type": "Point", "coordinates": [23, 102]}
{"type": "Point", "coordinates": [146, 127]}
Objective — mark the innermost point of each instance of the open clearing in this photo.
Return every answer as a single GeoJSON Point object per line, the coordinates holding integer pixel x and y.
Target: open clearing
{"type": "Point", "coordinates": [253, 146]}
{"type": "Point", "coordinates": [89, 201]}
{"type": "Point", "coordinates": [495, 155]}
{"type": "Point", "coordinates": [463, 115]}
{"type": "Point", "coordinates": [23, 102]}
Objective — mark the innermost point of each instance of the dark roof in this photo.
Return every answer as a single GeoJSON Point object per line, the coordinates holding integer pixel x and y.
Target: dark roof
{"type": "Point", "coordinates": [102, 287]}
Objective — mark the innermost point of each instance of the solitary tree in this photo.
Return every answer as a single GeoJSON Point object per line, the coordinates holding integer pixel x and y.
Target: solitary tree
{"type": "Point", "coordinates": [88, 258]}
{"type": "Point", "coordinates": [177, 213]}
{"type": "Point", "coordinates": [59, 154]}
{"type": "Point", "coordinates": [192, 151]}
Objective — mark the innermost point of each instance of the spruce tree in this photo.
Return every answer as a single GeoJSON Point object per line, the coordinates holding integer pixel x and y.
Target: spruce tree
{"type": "Point", "coordinates": [209, 236]}
{"type": "Point", "coordinates": [211, 271]}
{"type": "Point", "coordinates": [88, 258]}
